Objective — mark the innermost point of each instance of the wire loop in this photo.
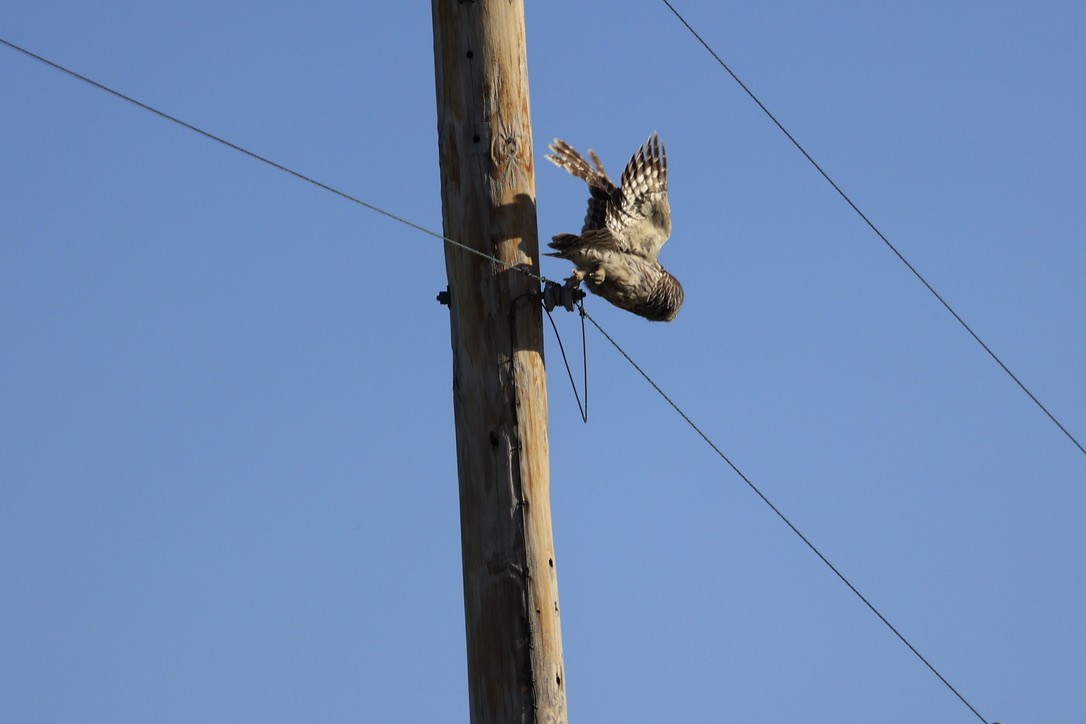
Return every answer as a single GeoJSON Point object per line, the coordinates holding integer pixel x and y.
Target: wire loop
{"type": "Point", "coordinates": [561, 348]}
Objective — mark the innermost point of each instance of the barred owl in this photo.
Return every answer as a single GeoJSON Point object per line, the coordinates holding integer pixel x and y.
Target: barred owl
{"type": "Point", "coordinates": [625, 227]}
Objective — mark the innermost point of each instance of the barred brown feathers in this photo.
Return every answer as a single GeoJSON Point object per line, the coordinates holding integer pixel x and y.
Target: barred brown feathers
{"type": "Point", "coordinates": [616, 253]}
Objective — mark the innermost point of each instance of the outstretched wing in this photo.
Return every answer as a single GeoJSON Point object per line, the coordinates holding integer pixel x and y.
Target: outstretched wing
{"type": "Point", "coordinates": [601, 188]}
{"type": "Point", "coordinates": [640, 213]}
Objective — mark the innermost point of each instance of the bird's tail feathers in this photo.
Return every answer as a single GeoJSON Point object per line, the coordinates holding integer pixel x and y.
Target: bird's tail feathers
{"type": "Point", "coordinates": [589, 246]}
{"type": "Point", "coordinates": [563, 243]}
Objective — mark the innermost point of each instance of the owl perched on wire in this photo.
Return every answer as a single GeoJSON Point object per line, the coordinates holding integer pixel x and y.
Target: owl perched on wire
{"type": "Point", "coordinates": [625, 227]}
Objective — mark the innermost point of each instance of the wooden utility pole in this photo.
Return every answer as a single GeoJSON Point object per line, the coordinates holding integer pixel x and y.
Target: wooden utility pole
{"type": "Point", "coordinates": [515, 671]}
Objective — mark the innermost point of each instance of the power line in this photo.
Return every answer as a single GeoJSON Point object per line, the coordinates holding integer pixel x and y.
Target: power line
{"type": "Point", "coordinates": [874, 228]}
{"type": "Point", "coordinates": [526, 271]}
{"type": "Point", "coordinates": [781, 515]}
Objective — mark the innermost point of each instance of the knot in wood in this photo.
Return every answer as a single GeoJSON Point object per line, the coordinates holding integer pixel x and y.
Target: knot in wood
{"type": "Point", "coordinates": [510, 146]}
{"type": "Point", "coordinates": [505, 147]}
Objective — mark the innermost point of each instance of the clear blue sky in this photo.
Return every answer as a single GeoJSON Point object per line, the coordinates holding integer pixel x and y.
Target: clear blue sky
{"type": "Point", "coordinates": [227, 473]}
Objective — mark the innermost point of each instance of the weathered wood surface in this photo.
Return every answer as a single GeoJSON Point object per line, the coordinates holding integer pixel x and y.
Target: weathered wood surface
{"type": "Point", "coordinates": [514, 638]}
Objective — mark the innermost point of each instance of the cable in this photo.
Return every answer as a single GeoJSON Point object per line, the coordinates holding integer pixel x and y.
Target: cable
{"type": "Point", "coordinates": [521, 269]}
{"type": "Point", "coordinates": [583, 409]}
{"type": "Point", "coordinates": [584, 315]}
{"type": "Point", "coordinates": [262, 159]}
{"type": "Point", "coordinates": [780, 515]}
{"type": "Point", "coordinates": [874, 228]}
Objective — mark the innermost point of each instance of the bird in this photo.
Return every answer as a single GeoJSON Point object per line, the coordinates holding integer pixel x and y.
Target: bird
{"type": "Point", "coordinates": [617, 252]}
